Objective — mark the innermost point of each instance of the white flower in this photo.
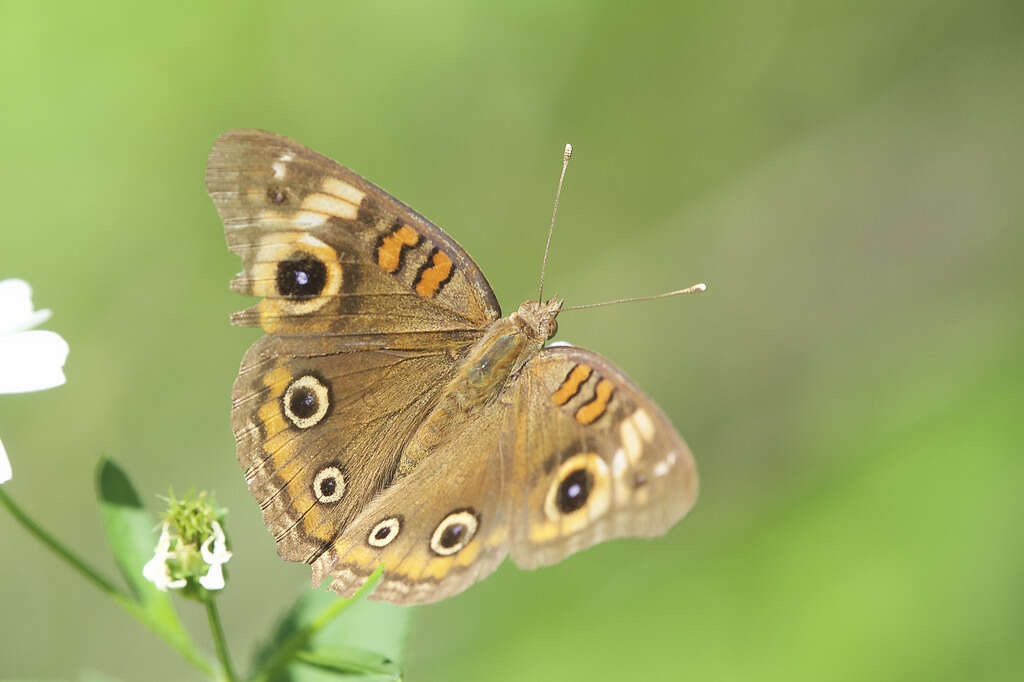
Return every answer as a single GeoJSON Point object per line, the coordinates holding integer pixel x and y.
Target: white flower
{"type": "Point", "coordinates": [30, 360]}
{"type": "Point", "coordinates": [213, 551]}
{"type": "Point", "coordinates": [156, 570]}
{"type": "Point", "coordinates": [216, 558]}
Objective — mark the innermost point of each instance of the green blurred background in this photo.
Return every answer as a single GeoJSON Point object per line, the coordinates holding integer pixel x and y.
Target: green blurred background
{"type": "Point", "coordinates": [846, 176]}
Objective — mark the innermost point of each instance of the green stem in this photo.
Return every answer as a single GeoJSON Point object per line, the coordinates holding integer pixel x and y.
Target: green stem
{"type": "Point", "coordinates": [91, 575]}
{"type": "Point", "coordinates": [290, 648]}
{"type": "Point", "coordinates": [219, 641]}
{"type": "Point", "coordinates": [60, 550]}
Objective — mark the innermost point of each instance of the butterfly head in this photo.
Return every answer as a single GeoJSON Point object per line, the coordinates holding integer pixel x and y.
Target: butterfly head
{"type": "Point", "coordinates": [539, 317]}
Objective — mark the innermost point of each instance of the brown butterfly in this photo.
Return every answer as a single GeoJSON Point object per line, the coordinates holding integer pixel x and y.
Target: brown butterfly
{"type": "Point", "coordinates": [392, 416]}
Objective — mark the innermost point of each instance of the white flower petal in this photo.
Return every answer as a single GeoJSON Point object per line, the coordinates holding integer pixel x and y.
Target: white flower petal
{"type": "Point", "coordinates": [155, 571]}
{"type": "Point", "coordinates": [220, 553]}
{"type": "Point", "coordinates": [164, 543]}
{"type": "Point", "coordinates": [158, 572]}
{"type": "Point", "coordinates": [214, 578]}
{"type": "Point", "coordinates": [16, 307]}
{"type": "Point", "coordinates": [5, 465]}
{"type": "Point", "coordinates": [31, 361]}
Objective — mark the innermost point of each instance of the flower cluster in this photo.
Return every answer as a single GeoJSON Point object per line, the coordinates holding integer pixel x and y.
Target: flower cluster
{"type": "Point", "coordinates": [192, 546]}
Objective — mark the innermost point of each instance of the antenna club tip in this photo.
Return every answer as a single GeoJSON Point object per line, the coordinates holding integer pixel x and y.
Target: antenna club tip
{"type": "Point", "coordinates": [567, 154]}
{"type": "Point", "coordinates": [700, 287]}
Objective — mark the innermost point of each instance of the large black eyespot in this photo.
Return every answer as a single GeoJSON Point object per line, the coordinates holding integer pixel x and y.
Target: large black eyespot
{"type": "Point", "coordinates": [454, 532]}
{"type": "Point", "coordinates": [301, 278]}
{"type": "Point", "coordinates": [574, 490]}
{"type": "Point", "coordinates": [303, 402]}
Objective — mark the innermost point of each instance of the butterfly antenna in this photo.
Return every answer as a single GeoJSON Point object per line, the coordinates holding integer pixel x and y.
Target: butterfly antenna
{"type": "Point", "coordinates": [566, 155]}
{"type": "Point", "coordinates": [695, 289]}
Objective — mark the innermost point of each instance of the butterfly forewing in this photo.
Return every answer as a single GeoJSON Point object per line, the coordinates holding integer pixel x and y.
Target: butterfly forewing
{"type": "Point", "coordinates": [596, 458]}
{"type": "Point", "coordinates": [331, 253]}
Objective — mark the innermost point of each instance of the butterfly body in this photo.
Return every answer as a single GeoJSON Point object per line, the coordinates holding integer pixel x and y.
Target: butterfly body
{"type": "Point", "coordinates": [392, 415]}
{"type": "Point", "coordinates": [504, 349]}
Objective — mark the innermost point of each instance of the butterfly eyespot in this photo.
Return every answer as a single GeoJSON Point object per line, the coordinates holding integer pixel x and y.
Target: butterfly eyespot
{"type": "Point", "coordinates": [454, 532]}
{"type": "Point", "coordinates": [385, 532]}
{"type": "Point", "coordinates": [306, 401]}
{"type": "Point", "coordinates": [579, 492]}
{"type": "Point", "coordinates": [296, 273]}
{"type": "Point", "coordinates": [276, 195]}
{"type": "Point", "coordinates": [574, 490]}
{"type": "Point", "coordinates": [329, 485]}
{"type": "Point", "coordinates": [301, 278]}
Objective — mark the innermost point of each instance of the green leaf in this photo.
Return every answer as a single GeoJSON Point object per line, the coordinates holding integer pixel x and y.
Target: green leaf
{"type": "Point", "coordinates": [351, 660]}
{"type": "Point", "coordinates": [131, 535]}
{"type": "Point", "coordinates": [373, 625]}
{"type": "Point", "coordinates": [368, 641]}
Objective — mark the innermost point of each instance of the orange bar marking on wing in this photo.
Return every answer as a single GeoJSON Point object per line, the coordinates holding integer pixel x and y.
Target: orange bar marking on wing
{"type": "Point", "coordinates": [389, 252]}
{"type": "Point", "coordinates": [571, 385]}
{"type": "Point", "coordinates": [590, 412]}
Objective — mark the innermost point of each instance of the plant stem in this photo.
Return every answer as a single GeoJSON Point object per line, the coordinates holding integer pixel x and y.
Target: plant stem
{"type": "Point", "coordinates": [219, 641]}
{"type": "Point", "coordinates": [91, 575]}
{"type": "Point", "coordinates": [294, 644]}
{"type": "Point", "coordinates": [60, 550]}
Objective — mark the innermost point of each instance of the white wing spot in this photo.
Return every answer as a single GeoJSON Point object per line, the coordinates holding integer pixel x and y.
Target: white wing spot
{"type": "Point", "coordinates": [331, 205]}
{"type": "Point", "coordinates": [619, 463]}
{"type": "Point", "coordinates": [665, 465]}
{"type": "Point", "coordinates": [644, 423]}
{"type": "Point", "coordinates": [279, 169]}
{"type": "Point", "coordinates": [309, 219]}
{"type": "Point", "coordinates": [343, 191]}
{"type": "Point", "coordinates": [631, 440]}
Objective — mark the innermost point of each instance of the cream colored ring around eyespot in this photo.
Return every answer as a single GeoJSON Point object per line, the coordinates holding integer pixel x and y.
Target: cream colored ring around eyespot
{"type": "Point", "coordinates": [393, 524]}
{"type": "Point", "coordinates": [281, 246]}
{"type": "Point", "coordinates": [339, 484]}
{"type": "Point", "coordinates": [597, 502]}
{"type": "Point", "coordinates": [323, 401]}
{"type": "Point", "coordinates": [465, 517]}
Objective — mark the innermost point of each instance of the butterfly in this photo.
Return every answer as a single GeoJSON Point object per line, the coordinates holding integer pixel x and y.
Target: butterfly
{"type": "Point", "coordinates": [391, 415]}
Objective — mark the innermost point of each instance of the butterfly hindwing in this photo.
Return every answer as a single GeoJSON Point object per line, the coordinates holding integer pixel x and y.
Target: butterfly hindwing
{"type": "Point", "coordinates": [438, 530]}
{"type": "Point", "coordinates": [320, 430]}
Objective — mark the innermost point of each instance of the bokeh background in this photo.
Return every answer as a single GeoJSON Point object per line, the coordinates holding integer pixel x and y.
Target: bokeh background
{"type": "Point", "coordinates": [846, 176]}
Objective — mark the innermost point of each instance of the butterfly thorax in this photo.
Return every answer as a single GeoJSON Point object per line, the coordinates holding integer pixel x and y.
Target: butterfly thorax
{"type": "Point", "coordinates": [506, 346]}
